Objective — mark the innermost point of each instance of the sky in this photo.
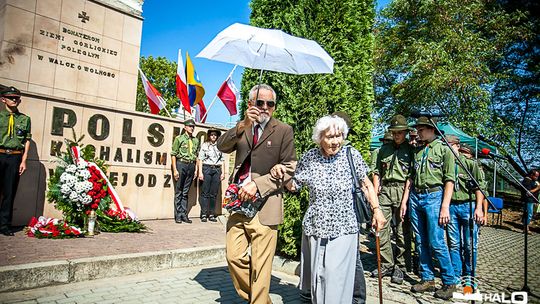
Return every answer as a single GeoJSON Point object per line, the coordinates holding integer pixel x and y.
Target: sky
{"type": "Point", "coordinates": [172, 25]}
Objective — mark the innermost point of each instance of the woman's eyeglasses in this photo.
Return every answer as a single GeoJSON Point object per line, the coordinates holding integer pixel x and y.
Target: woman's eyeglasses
{"type": "Point", "coordinates": [269, 103]}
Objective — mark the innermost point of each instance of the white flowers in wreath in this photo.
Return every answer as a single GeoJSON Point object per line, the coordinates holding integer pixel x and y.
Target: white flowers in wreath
{"type": "Point", "coordinates": [74, 184]}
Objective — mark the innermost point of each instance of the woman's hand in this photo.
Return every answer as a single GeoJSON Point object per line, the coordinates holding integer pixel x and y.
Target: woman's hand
{"type": "Point", "coordinates": [378, 219]}
{"type": "Point", "coordinates": [278, 171]}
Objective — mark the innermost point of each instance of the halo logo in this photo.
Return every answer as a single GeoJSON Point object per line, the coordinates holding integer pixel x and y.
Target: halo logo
{"type": "Point", "coordinates": [471, 292]}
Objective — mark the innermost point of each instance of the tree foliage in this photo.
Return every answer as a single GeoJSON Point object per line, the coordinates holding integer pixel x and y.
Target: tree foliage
{"type": "Point", "coordinates": [465, 58]}
{"type": "Point", "coordinates": [161, 72]}
{"type": "Point", "coordinates": [343, 29]}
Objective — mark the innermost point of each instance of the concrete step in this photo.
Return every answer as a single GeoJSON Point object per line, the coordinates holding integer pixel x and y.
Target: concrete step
{"type": "Point", "coordinates": [33, 275]}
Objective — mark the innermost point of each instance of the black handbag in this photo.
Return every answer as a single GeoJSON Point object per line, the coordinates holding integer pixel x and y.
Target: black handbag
{"type": "Point", "coordinates": [360, 203]}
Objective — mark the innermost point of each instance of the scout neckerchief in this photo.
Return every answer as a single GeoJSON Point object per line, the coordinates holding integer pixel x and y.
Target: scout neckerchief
{"type": "Point", "coordinates": [393, 161]}
{"type": "Point", "coordinates": [424, 158]}
{"type": "Point", "coordinates": [11, 125]}
{"type": "Point", "coordinates": [190, 145]}
{"type": "Point", "coordinates": [456, 171]}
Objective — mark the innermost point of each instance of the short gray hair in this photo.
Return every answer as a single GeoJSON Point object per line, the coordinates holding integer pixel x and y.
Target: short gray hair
{"type": "Point", "coordinates": [262, 86]}
{"type": "Point", "coordinates": [326, 122]}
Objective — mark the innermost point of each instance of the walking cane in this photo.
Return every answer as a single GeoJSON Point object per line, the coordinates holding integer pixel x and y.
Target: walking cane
{"type": "Point", "coordinates": [378, 248]}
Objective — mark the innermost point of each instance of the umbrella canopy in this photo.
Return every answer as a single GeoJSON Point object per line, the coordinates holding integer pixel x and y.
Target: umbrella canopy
{"type": "Point", "coordinates": [268, 49]}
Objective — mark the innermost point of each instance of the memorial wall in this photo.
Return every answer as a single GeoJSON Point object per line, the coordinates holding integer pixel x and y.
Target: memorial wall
{"type": "Point", "coordinates": [76, 63]}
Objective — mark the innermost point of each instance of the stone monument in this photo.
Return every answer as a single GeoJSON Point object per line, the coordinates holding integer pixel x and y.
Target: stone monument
{"type": "Point", "coordinates": [76, 63]}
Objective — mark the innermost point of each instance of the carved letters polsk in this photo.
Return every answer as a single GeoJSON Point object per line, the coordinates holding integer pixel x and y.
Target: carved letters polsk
{"type": "Point", "coordinates": [98, 127]}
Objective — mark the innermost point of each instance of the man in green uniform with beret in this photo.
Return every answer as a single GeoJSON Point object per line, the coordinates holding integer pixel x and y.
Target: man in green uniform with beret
{"type": "Point", "coordinates": [387, 138]}
{"type": "Point", "coordinates": [14, 144]}
{"type": "Point", "coordinates": [391, 171]}
{"type": "Point", "coordinates": [461, 209]}
{"type": "Point", "coordinates": [184, 154]}
{"type": "Point", "coordinates": [433, 177]}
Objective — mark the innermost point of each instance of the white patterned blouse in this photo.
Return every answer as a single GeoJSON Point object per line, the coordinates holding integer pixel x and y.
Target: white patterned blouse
{"type": "Point", "coordinates": [330, 213]}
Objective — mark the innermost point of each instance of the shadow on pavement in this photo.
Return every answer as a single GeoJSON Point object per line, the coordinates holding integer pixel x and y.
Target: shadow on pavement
{"type": "Point", "coordinates": [219, 279]}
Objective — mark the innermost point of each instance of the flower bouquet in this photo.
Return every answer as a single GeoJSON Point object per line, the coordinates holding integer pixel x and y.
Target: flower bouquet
{"type": "Point", "coordinates": [78, 187]}
{"type": "Point", "coordinates": [45, 227]}
{"type": "Point", "coordinates": [232, 203]}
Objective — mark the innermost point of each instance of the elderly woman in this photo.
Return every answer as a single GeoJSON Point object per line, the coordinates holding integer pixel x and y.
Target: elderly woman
{"type": "Point", "coordinates": [330, 225]}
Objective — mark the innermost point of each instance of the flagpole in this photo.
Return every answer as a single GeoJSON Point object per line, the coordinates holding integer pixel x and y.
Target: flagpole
{"type": "Point", "coordinates": [162, 101]}
{"type": "Point", "coordinates": [215, 97]}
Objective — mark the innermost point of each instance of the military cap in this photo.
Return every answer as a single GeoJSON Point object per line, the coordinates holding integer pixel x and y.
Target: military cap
{"type": "Point", "coordinates": [398, 123]}
{"type": "Point", "coordinates": [347, 119]}
{"type": "Point", "coordinates": [189, 123]}
{"type": "Point", "coordinates": [452, 139]}
{"type": "Point", "coordinates": [215, 131]}
{"type": "Point", "coordinates": [413, 132]}
{"type": "Point", "coordinates": [9, 91]}
{"type": "Point", "coordinates": [387, 137]}
{"type": "Point", "coordinates": [465, 148]}
{"type": "Point", "coordinates": [424, 121]}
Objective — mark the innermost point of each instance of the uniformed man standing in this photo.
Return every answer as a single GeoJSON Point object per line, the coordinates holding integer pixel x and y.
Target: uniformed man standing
{"type": "Point", "coordinates": [433, 179]}
{"type": "Point", "coordinates": [459, 236]}
{"type": "Point", "coordinates": [184, 154]}
{"type": "Point", "coordinates": [387, 138]}
{"type": "Point", "coordinates": [391, 171]}
{"type": "Point", "coordinates": [14, 145]}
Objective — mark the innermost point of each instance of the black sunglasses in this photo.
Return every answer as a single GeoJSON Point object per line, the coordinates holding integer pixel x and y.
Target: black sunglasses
{"type": "Point", "coordinates": [13, 98]}
{"type": "Point", "coordinates": [269, 103]}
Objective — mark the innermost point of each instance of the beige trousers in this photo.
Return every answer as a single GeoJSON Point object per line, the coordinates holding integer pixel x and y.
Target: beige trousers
{"type": "Point", "coordinates": [251, 272]}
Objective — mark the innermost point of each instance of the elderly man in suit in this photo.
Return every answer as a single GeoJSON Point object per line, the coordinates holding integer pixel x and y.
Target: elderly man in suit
{"type": "Point", "coordinates": [260, 142]}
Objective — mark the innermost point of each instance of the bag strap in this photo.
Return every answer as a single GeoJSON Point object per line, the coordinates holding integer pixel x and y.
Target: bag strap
{"type": "Point", "coordinates": [353, 169]}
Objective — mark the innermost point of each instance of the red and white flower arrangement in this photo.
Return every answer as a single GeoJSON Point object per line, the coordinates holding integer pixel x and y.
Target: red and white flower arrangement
{"type": "Point", "coordinates": [45, 227]}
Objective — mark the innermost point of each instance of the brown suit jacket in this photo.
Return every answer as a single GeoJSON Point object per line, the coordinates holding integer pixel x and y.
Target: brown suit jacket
{"type": "Point", "coordinates": [275, 146]}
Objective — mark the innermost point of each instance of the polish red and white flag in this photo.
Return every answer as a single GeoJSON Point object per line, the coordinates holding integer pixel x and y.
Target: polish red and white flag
{"type": "Point", "coordinates": [229, 94]}
{"type": "Point", "coordinates": [155, 101]}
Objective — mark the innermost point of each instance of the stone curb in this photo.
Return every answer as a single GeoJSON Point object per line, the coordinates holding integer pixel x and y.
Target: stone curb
{"type": "Point", "coordinates": [33, 275]}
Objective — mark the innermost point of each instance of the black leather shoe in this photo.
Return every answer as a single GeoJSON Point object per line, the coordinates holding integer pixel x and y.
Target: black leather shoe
{"type": "Point", "coordinates": [397, 276]}
{"type": "Point", "coordinates": [384, 271]}
{"type": "Point", "coordinates": [7, 232]}
{"type": "Point", "coordinates": [187, 220]}
{"type": "Point", "coordinates": [178, 221]}
{"type": "Point", "coordinates": [212, 219]}
{"type": "Point", "coordinates": [203, 219]}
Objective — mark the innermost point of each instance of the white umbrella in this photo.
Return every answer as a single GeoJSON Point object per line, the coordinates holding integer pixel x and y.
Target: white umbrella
{"type": "Point", "coordinates": [268, 49]}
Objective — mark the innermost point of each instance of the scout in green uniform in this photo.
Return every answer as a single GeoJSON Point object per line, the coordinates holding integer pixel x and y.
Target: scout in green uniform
{"type": "Point", "coordinates": [433, 179]}
{"type": "Point", "coordinates": [184, 154]}
{"type": "Point", "coordinates": [387, 138]}
{"type": "Point", "coordinates": [392, 169]}
{"type": "Point", "coordinates": [14, 145]}
{"type": "Point", "coordinates": [461, 209]}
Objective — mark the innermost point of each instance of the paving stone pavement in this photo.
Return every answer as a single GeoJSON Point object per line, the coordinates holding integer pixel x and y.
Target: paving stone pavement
{"type": "Point", "coordinates": [500, 262]}
{"type": "Point", "coordinates": [499, 267]}
{"type": "Point", "coordinates": [207, 284]}
{"type": "Point", "coordinates": [162, 235]}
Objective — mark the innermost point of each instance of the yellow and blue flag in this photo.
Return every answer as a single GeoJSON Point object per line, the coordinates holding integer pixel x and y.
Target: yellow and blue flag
{"type": "Point", "coordinates": [194, 85]}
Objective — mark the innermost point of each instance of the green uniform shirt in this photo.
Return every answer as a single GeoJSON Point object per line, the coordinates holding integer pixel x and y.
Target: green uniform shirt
{"type": "Point", "coordinates": [181, 150]}
{"type": "Point", "coordinates": [460, 188]}
{"type": "Point", "coordinates": [393, 163]}
{"type": "Point", "coordinates": [373, 160]}
{"type": "Point", "coordinates": [21, 131]}
{"type": "Point", "coordinates": [433, 165]}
